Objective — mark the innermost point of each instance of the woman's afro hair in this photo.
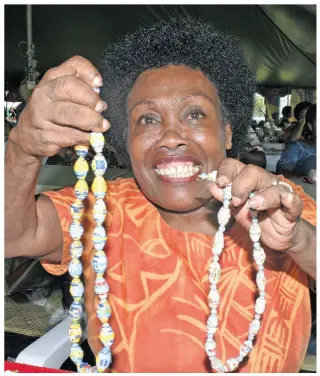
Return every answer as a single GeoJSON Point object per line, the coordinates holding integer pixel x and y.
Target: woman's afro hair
{"type": "Point", "coordinates": [178, 41]}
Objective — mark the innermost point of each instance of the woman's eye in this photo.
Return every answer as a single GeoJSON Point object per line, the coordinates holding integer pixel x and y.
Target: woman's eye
{"type": "Point", "coordinates": [195, 115]}
{"type": "Point", "coordinates": [148, 119]}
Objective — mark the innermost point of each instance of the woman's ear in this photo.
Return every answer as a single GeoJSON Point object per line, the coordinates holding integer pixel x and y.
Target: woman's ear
{"type": "Point", "coordinates": [228, 136]}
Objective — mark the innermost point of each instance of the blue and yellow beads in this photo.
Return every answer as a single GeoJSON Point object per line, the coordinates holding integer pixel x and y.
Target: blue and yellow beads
{"type": "Point", "coordinates": [99, 187]}
{"type": "Point", "coordinates": [99, 165]}
{"type": "Point", "coordinates": [99, 261]}
{"type": "Point", "coordinates": [81, 189]}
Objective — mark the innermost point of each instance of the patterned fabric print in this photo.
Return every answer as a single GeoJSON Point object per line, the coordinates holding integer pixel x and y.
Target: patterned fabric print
{"type": "Point", "coordinates": [158, 279]}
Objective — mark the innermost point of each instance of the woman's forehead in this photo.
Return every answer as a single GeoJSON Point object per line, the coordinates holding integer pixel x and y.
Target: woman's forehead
{"type": "Point", "coordinates": [171, 81]}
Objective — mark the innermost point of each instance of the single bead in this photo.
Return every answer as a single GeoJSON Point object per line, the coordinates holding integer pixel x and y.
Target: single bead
{"type": "Point", "coordinates": [99, 165]}
{"type": "Point", "coordinates": [103, 310]}
{"type": "Point", "coordinates": [106, 335]}
{"type": "Point", "coordinates": [251, 337]}
{"type": "Point", "coordinates": [214, 298]}
{"type": "Point", "coordinates": [245, 349]}
{"type": "Point", "coordinates": [99, 237]}
{"type": "Point", "coordinates": [104, 359]}
{"type": "Point", "coordinates": [261, 280]}
{"type": "Point", "coordinates": [101, 287]}
{"type": "Point", "coordinates": [224, 215]}
{"type": "Point", "coordinates": [76, 249]}
{"type": "Point", "coordinates": [76, 288]}
{"type": "Point", "coordinates": [255, 220]}
{"type": "Point", "coordinates": [76, 353]}
{"type": "Point", "coordinates": [203, 176]}
{"type": "Point", "coordinates": [255, 232]}
{"type": "Point", "coordinates": [219, 239]}
{"type": "Point", "coordinates": [81, 168]}
{"type": "Point", "coordinates": [254, 327]}
{"type": "Point", "coordinates": [99, 262]}
{"type": "Point", "coordinates": [256, 316]}
{"type": "Point", "coordinates": [81, 189]}
{"type": "Point", "coordinates": [239, 358]}
{"type": "Point", "coordinates": [226, 203]}
{"type": "Point", "coordinates": [212, 322]}
{"type": "Point", "coordinates": [81, 150]}
{"type": "Point", "coordinates": [76, 230]}
{"type": "Point", "coordinates": [222, 229]}
{"type": "Point", "coordinates": [214, 272]}
{"type": "Point", "coordinates": [75, 310]}
{"type": "Point", "coordinates": [77, 209]}
{"type": "Point", "coordinates": [75, 268]}
{"type": "Point", "coordinates": [212, 176]}
{"type": "Point", "coordinates": [84, 368]}
{"type": "Point", "coordinates": [262, 294]}
{"type": "Point", "coordinates": [99, 211]}
{"type": "Point", "coordinates": [215, 258]}
{"type": "Point", "coordinates": [99, 187]}
{"type": "Point", "coordinates": [210, 346]}
{"type": "Point", "coordinates": [217, 365]}
{"type": "Point", "coordinates": [97, 141]}
{"type": "Point", "coordinates": [75, 332]}
{"type": "Point", "coordinates": [256, 245]}
{"type": "Point", "coordinates": [232, 364]}
{"type": "Point", "coordinates": [227, 192]}
{"type": "Point", "coordinates": [260, 306]}
{"type": "Point", "coordinates": [259, 256]}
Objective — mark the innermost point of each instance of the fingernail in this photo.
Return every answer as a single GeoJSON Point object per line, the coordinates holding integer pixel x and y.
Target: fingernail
{"type": "Point", "coordinates": [236, 201]}
{"type": "Point", "coordinates": [97, 81]}
{"type": "Point", "coordinates": [256, 202]}
{"type": "Point", "coordinates": [105, 124]}
{"type": "Point", "coordinates": [101, 106]}
{"type": "Point", "coordinates": [222, 181]}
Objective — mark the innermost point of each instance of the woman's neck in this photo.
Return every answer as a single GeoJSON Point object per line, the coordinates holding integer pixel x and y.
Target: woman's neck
{"type": "Point", "coordinates": [202, 220]}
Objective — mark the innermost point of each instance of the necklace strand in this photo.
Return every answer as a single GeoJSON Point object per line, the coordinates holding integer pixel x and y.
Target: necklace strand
{"type": "Point", "coordinates": [259, 256]}
{"type": "Point", "coordinates": [100, 262]}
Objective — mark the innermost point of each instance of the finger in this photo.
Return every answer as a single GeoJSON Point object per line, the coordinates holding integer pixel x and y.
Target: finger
{"type": "Point", "coordinates": [227, 171]}
{"type": "Point", "coordinates": [276, 197]}
{"type": "Point", "coordinates": [251, 178]}
{"type": "Point", "coordinates": [72, 89]}
{"type": "Point", "coordinates": [53, 138]}
{"type": "Point", "coordinates": [76, 116]}
{"type": "Point", "coordinates": [76, 66]}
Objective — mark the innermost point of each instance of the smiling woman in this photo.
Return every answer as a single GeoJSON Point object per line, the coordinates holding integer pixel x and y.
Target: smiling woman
{"type": "Point", "coordinates": [179, 97]}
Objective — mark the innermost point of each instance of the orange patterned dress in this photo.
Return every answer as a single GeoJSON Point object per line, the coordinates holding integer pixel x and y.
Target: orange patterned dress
{"type": "Point", "coordinates": [158, 278]}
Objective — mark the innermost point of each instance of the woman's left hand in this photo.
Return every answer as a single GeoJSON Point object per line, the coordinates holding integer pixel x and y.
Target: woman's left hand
{"type": "Point", "coordinates": [279, 209]}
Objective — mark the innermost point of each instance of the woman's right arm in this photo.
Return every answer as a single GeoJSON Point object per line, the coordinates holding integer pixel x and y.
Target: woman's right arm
{"type": "Point", "coordinates": [61, 112]}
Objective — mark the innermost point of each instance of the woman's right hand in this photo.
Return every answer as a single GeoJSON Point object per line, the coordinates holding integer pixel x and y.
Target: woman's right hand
{"type": "Point", "coordinates": [62, 110]}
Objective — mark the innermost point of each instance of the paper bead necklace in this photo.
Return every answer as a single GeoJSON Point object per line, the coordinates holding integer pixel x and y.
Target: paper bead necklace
{"type": "Point", "coordinates": [99, 263]}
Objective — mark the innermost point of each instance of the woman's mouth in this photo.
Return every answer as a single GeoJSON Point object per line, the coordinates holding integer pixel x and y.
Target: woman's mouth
{"type": "Point", "coordinates": [180, 172]}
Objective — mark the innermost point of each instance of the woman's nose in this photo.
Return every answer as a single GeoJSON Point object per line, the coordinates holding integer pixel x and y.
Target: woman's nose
{"type": "Point", "coordinates": [172, 139]}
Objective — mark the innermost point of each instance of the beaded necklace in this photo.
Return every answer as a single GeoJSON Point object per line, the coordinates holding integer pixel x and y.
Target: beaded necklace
{"type": "Point", "coordinates": [99, 263]}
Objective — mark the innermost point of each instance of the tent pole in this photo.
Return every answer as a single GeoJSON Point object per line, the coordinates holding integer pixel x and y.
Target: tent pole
{"type": "Point", "coordinates": [29, 27]}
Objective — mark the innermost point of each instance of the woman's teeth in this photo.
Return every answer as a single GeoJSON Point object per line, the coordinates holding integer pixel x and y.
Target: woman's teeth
{"type": "Point", "coordinates": [179, 171]}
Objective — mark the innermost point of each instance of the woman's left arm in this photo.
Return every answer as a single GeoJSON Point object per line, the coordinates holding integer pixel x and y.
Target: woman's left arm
{"type": "Point", "coordinates": [280, 210]}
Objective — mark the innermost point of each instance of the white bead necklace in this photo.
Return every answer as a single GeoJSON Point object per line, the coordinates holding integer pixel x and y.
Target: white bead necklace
{"type": "Point", "coordinates": [259, 256]}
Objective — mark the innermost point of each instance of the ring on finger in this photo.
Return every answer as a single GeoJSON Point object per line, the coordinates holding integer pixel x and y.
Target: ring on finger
{"type": "Point", "coordinates": [279, 182]}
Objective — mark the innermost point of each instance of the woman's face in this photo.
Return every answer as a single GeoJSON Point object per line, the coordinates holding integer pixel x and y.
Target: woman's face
{"type": "Point", "coordinates": [175, 133]}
